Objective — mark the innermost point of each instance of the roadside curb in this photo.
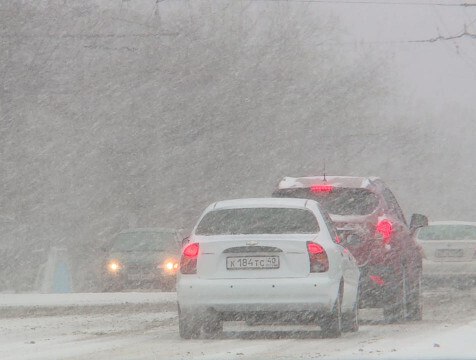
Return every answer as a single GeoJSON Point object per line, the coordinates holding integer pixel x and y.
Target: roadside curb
{"type": "Point", "coordinates": [27, 305]}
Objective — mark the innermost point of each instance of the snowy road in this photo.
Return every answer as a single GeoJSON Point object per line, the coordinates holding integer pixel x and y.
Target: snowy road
{"type": "Point", "coordinates": [130, 331]}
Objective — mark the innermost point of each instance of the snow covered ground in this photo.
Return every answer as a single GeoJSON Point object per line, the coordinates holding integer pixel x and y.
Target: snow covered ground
{"type": "Point", "coordinates": [448, 331]}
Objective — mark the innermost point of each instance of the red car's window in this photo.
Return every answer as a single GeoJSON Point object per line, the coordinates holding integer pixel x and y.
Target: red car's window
{"type": "Point", "coordinates": [339, 201]}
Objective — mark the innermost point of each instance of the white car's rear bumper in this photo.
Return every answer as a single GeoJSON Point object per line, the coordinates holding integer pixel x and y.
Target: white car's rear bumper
{"type": "Point", "coordinates": [314, 293]}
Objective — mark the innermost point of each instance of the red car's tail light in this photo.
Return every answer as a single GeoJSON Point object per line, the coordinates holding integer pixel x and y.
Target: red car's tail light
{"type": "Point", "coordinates": [188, 261]}
{"type": "Point", "coordinates": [318, 259]}
{"type": "Point", "coordinates": [322, 188]}
{"type": "Point", "coordinates": [385, 228]}
{"type": "Point", "coordinates": [377, 279]}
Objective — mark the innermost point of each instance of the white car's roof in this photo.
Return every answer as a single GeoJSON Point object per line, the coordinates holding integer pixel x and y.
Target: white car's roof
{"type": "Point", "coordinates": [451, 223]}
{"type": "Point", "coordinates": [260, 202]}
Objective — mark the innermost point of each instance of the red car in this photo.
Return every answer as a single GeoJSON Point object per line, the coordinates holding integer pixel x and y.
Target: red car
{"type": "Point", "coordinates": [371, 225]}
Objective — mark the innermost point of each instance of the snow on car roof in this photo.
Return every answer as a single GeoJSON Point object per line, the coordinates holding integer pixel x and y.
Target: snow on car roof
{"type": "Point", "coordinates": [451, 222]}
{"type": "Point", "coordinates": [260, 202]}
{"type": "Point", "coordinates": [158, 229]}
{"type": "Point", "coordinates": [339, 181]}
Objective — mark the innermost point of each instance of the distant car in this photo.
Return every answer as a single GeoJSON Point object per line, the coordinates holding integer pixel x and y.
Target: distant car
{"type": "Point", "coordinates": [252, 258]}
{"type": "Point", "coordinates": [449, 249]}
{"type": "Point", "coordinates": [142, 258]}
{"type": "Point", "coordinates": [371, 225]}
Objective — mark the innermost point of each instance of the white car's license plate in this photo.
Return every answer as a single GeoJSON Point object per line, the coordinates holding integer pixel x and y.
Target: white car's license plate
{"type": "Point", "coordinates": [252, 262]}
{"type": "Point", "coordinates": [441, 253]}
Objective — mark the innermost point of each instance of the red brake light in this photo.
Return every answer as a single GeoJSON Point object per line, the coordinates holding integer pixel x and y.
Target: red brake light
{"type": "Point", "coordinates": [385, 228]}
{"type": "Point", "coordinates": [188, 261]}
{"type": "Point", "coordinates": [191, 251]}
{"type": "Point", "coordinates": [314, 248]}
{"type": "Point", "coordinates": [322, 188]}
{"type": "Point", "coordinates": [317, 258]}
{"type": "Point", "coordinates": [377, 279]}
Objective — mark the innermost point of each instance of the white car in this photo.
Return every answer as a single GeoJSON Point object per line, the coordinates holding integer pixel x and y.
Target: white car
{"type": "Point", "coordinates": [449, 249]}
{"type": "Point", "coordinates": [266, 257]}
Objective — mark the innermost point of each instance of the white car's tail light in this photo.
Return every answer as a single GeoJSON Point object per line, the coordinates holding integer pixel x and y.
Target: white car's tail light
{"type": "Point", "coordinates": [319, 262]}
{"type": "Point", "coordinates": [188, 261]}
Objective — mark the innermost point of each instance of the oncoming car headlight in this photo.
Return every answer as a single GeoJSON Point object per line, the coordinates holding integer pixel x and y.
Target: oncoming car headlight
{"type": "Point", "coordinates": [114, 266]}
{"type": "Point", "coordinates": [169, 266]}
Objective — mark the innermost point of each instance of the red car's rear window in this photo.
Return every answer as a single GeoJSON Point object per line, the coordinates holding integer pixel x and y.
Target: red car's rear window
{"type": "Point", "coordinates": [339, 201]}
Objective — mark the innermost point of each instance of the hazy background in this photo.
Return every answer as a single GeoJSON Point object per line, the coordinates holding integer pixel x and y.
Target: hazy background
{"type": "Point", "coordinates": [117, 114]}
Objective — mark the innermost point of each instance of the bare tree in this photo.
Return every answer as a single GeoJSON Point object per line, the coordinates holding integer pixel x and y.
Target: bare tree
{"type": "Point", "coordinates": [114, 120]}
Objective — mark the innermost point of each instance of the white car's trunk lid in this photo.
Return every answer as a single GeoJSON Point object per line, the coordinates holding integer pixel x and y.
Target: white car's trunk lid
{"type": "Point", "coordinates": [254, 256]}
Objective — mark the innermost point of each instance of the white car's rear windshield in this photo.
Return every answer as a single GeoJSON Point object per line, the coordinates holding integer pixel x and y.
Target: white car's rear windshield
{"type": "Point", "coordinates": [258, 221]}
{"type": "Point", "coordinates": [447, 232]}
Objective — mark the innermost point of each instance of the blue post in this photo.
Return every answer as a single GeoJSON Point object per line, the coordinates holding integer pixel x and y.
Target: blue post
{"type": "Point", "coordinates": [62, 278]}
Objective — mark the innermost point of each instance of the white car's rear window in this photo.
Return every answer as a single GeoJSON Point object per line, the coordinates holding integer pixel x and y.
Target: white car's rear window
{"type": "Point", "coordinates": [258, 221]}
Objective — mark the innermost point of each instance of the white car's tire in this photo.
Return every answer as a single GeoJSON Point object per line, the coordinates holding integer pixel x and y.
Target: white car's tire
{"type": "Point", "coordinates": [331, 323]}
{"type": "Point", "coordinates": [350, 320]}
{"type": "Point", "coordinates": [189, 327]}
{"type": "Point", "coordinates": [212, 326]}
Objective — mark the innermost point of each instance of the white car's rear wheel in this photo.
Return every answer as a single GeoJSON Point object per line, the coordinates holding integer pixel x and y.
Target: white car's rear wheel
{"type": "Point", "coordinates": [331, 324]}
{"type": "Point", "coordinates": [350, 321]}
{"type": "Point", "coordinates": [189, 327]}
{"type": "Point", "coordinates": [212, 325]}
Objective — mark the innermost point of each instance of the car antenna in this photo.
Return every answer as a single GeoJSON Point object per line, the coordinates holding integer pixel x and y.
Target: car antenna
{"type": "Point", "coordinates": [325, 170]}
